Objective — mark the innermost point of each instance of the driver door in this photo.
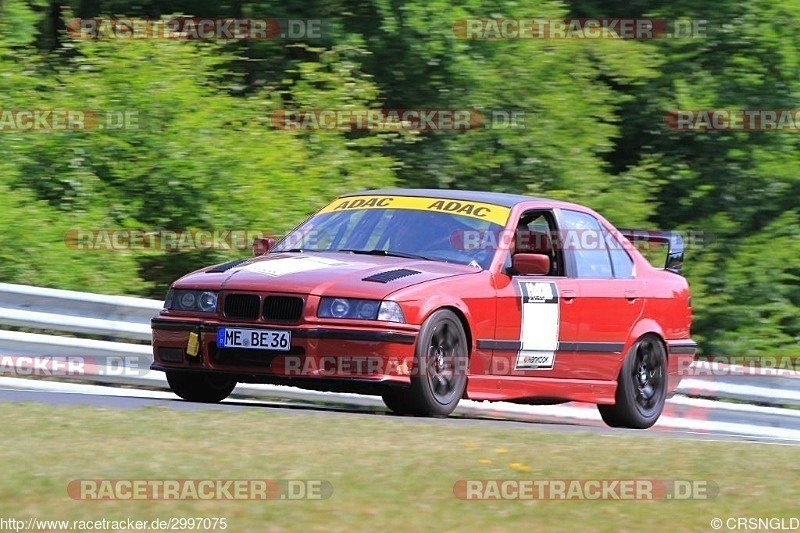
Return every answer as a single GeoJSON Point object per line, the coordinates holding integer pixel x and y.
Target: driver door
{"type": "Point", "coordinates": [535, 313]}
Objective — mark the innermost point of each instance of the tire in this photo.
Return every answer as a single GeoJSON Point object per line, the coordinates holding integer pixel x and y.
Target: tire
{"type": "Point", "coordinates": [200, 387]}
{"type": "Point", "coordinates": [397, 401]}
{"type": "Point", "coordinates": [439, 377]}
{"type": "Point", "coordinates": [641, 386]}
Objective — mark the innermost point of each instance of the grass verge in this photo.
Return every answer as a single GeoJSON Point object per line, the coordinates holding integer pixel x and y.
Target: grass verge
{"type": "Point", "coordinates": [387, 473]}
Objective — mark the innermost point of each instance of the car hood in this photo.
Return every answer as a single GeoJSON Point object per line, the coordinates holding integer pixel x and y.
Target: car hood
{"type": "Point", "coordinates": [341, 274]}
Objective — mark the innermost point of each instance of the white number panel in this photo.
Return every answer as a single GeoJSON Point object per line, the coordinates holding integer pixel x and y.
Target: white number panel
{"type": "Point", "coordinates": [539, 328]}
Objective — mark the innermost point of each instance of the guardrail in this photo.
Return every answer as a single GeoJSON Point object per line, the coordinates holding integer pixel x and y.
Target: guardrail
{"type": "Point", "coordinates": [127, 318]}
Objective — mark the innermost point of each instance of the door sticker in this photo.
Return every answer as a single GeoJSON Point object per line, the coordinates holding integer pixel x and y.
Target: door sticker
{"type": "Point", "coordinates": [539, 327]}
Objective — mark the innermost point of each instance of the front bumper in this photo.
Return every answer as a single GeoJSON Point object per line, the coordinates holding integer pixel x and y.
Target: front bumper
{"type": "Point", "coordinates": [319, 352]}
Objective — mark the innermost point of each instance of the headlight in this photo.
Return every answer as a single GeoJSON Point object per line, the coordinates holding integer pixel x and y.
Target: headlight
{"type": "Point", "coordinates": [197, 301]}
{"type": "Point", "coordinates": [360, 309]}
{"type": "Point", "coordinates": [339, 308]}
{"type": "Point", "coordinates": [187, 300]}
{"type": "Point", "coordinates": [207, 302]}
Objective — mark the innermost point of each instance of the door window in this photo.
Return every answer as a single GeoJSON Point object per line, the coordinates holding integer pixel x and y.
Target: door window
{"type": "Point", "coordinates": [583, 235]}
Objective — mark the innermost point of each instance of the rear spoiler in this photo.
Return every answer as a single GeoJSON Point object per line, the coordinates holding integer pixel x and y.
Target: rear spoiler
{"type": "Point", "coordinates": [672, 239]}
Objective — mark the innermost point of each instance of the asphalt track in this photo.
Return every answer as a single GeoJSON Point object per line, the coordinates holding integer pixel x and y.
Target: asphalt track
{"type": "Point", "coordinates": [683, 417]}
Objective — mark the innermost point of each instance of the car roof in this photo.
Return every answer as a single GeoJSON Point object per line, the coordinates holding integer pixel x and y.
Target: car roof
{"type": "Point", "coordinates": [497, 198]}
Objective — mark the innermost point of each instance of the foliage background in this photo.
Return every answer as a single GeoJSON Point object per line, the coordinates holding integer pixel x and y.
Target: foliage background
{"type": "Point", "coordinates": [205, 154]}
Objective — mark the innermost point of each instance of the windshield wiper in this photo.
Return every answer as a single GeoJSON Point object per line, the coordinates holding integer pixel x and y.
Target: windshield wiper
{"type": "Point", "coordinates": [388, 253]}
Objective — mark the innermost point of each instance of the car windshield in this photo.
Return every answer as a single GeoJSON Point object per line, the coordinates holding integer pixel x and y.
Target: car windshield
{"type": "Point", "coordinates": [413, 233]}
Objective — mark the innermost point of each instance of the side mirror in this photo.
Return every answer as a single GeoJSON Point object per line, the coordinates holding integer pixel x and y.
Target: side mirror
{"type": "Point", "coordinates": [531, 264]}
{"type": "Point", "coordinates": [262, 245]}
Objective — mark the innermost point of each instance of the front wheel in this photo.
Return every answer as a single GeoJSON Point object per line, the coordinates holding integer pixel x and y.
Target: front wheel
{"type": "Point", "coordinates": [397, 401]}
{"type": "Point", "coordinates": [440, 366]}
{"type": "Point", "coordinates": [641, 386]}
{"type": "Point", "coordinates": [200, 387]}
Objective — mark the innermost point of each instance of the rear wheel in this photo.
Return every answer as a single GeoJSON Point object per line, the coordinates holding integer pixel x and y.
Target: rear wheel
{"type": "Point", "coordinates": [440, 366]}
{"type": "Point", "coordinates": [641, 386]}
{"type": "Point", "coordinates": [200, 387]}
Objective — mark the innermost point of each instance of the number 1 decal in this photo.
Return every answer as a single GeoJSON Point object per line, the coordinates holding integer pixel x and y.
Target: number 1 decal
{"type": "Point", "coordinates": [539, 326]}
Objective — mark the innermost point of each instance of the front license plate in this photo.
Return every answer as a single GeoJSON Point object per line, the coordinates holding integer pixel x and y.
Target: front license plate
{"type": "Point", "coordinates": [255, 339]}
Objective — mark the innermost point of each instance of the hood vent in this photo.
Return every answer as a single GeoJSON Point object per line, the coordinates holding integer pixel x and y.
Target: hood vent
{"type": "Point", "coordinates": [225, 266]}
{"type": "Point", "coordinates": [391, 275]}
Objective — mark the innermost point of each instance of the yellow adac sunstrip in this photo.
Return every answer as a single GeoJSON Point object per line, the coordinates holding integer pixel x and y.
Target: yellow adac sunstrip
{"type": "Point", "coordinates": [482, 211]}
